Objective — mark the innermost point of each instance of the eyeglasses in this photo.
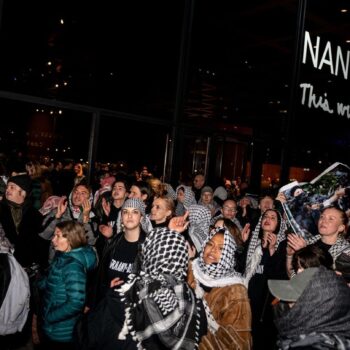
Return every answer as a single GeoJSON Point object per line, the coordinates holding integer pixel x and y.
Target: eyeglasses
{"type": "Point", "coordinates": [233, 210]}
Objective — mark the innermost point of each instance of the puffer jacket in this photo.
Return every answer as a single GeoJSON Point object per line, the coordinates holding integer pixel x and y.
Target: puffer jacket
{"type": "Point", "coordinates": [230, 308]}
{"type": "Point", "coordinates": [64, 292]}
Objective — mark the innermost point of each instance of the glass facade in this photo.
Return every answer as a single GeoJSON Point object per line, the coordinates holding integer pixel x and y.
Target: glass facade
{"type": "Point", "coordinates": [232, 90]}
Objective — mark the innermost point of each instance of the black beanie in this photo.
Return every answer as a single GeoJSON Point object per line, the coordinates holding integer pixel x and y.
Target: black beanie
{"type": "Point", "coordinates": [23, 181]}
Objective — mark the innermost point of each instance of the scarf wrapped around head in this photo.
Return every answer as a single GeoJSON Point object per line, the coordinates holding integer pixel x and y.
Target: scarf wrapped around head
{"type": "Point", "coordinates": [216, 275]}
{"type": "Point", "coordinates": [159, 302]}
{"type": "Point", "coordinates": [199, 217]}
{"type": "Point", "coordinates": [223, 273]}
{"type": "Point", "coordinates": [254, 250]}
{"type": "Point", "coordinates": [188, 200]}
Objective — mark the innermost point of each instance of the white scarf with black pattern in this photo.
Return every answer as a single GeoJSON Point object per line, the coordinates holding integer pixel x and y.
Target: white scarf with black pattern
{"type": "Point", "coordinates": [255, 250]}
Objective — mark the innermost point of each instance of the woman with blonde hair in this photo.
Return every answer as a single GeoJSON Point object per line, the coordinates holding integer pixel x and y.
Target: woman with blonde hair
{"type": "Point", "coordinates": [332, 230]}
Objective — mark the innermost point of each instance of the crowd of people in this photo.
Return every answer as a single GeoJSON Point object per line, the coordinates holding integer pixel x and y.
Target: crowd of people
{"type": "Point", "coordinates": [131, 262]}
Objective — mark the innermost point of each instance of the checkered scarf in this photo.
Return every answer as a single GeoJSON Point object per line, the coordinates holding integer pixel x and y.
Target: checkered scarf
{"type": "Point", "coordinates": [135, 203]}
{"type": "Point", "coordinates": [199, 217]}
{"type": "Point", "coordinates": [159, 302]}
{"type": "Point", "coordinates": [216, 275]}
{"type": "Point", "coordinates": [188, 201]}
{"type": "Point", "coordinates": [220, 274]}
{"type": "Point", "coordinates": [254, 249]}
{"type": "Point", "coordinates": [340, 246]}
{"type": "Point", "coordinates": [170, 191]}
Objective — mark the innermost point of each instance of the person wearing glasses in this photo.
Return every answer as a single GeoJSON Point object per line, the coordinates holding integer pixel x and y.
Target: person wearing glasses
{"type": "Point", "coordinates": [228, 211]}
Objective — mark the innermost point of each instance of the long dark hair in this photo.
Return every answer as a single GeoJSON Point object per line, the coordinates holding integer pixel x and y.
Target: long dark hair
{"type": "Point", "coordinates": [279, 221]}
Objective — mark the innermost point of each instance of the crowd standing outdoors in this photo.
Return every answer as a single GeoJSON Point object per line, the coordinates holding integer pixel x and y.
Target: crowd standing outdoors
{"type": "Point", "coordinates": [130, 262]}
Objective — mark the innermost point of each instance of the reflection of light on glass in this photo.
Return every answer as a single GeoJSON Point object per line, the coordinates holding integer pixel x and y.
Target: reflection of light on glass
{"type": "Point", "coordinates": [343, 10]}
{"type": "Point", "coordinates": [62, 21]}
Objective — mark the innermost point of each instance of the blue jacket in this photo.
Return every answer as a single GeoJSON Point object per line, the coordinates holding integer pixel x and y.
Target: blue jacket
{"type": "Point", "coordinates": [64, 292]}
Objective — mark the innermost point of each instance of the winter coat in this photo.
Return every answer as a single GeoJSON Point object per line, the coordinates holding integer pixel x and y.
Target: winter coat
{"type": "Point", "coordinates": [64, 292]}
{"type": "Point", "coordinates": [231, 310]}
{"type": "Point", "coordinates": [29, 247]}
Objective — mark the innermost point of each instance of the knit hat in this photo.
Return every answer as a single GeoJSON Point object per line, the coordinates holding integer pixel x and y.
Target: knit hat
{"type": "Point", "coordinates": [207, 189]}
{"type": "Point", "coordinates": [291, 290]}
{"type": "Point", "coordinates": [23, 181]}
{"type": "Point", "coordinates": [135, 203]}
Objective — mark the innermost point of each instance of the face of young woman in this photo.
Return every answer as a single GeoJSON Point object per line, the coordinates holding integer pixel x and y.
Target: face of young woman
{"type": "Point", "coordinates": [330, 222]}
{"type": "Point", "coordinates": [135, 192]}
{"type": "Point", "coordinates": [213, 249]}
{"type": "Point", "coordinates": [269, 221]}
{"type": "Point", "coordinates": [59, 242]}
{"type": "Point", "coordinates": [119, 191]}
{"type": "Point", "coordinates": [180, 195]}
{"type": "Point", "coordinates": [131, 218]}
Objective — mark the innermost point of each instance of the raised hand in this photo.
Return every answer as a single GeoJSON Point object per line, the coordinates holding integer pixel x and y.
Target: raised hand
{"type": "Point", "coordinates": [245, 232]}
{"type": "Point", "coordinates": [106, 230]}
{"type": "Point", "coordinates": [62, 206]}
{"type": "Point", "coordinates": [179, 223]}
{"type": "Point", "coordinates": [106, 206]}
{"type": "Point", "coordinates": [296, 242]}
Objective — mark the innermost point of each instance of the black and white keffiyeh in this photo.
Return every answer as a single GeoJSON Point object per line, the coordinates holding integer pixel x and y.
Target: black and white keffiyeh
{"type": "Point", "coordinates": [340, 246]}
{"type": "Point", "coordinates": [254, 249]}
{"type": "Point", "coordinates": [189, 200]}
{"type": "Point", "coordinates": [223, 273]}
{"type": "Point", "coordinates": [135, 203]}
{"type": "Point", "coordinates": [159, 302]}
{"type": "Point", "coordinates": [216, 275]}
{"type": "Point", "coordinates": [139, 204]}
{"type": "Point", "coordinates": [170, 191]}
{"type": "Point", "coordinates": [199, 218]}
